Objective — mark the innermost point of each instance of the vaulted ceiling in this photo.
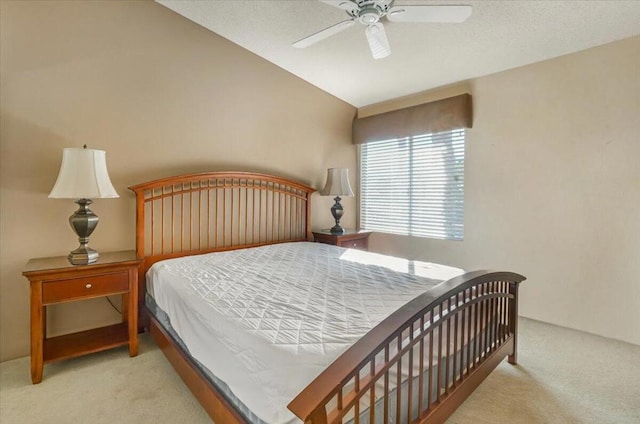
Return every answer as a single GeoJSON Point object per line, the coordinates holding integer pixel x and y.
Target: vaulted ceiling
{"type": "Point", "coordinates": [498, 35]}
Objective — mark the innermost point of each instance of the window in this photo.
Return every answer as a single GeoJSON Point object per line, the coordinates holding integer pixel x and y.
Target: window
{"type": "Point", "coordinates": [414, 185]}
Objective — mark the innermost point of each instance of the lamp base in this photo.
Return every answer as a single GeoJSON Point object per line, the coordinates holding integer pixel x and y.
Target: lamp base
{"type": "Point", "coordinates": [337, 211]}
{"type": "Point", "coordinates": [83, 255]}
{"type": "Point", "coordinates": [337, 229]}
{"type": "Point", "coordinates": [83, 222]}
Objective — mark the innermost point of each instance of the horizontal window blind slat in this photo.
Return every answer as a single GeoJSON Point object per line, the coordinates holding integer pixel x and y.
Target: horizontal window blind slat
{"type": "Point", "coordinates": [435, 192]}
{"type": "Point", "coordinates": [425, 218]}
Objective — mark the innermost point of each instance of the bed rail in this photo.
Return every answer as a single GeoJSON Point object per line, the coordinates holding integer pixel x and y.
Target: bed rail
{"type": "Point", "coordinates": [437, 347]}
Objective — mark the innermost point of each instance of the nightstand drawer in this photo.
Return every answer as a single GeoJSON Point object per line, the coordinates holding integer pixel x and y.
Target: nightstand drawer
{"type": "Point", "coordinates": [85, 287]}
{"type": "Point", "coordinates": [354, 244]}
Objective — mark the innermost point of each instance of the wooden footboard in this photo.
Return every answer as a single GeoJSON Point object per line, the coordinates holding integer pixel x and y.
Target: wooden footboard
{"type": "Point", "coordinates": [419, 364]}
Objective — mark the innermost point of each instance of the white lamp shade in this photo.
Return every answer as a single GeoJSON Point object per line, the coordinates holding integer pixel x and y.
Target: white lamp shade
{"type": "Point", "coordinates": [337, 183]}
{"type": "Point", "coordinates": [83, 175]}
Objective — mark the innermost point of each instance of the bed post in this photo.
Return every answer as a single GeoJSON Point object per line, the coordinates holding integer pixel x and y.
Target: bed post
{"type": "Point", "coordinates": [513, 322]}
{"type": "Point", "coordinates": [142, 316]}
{"type": "Point", "coordinates": [308, 223]}
{"type": "Point", "coordinates": [140, 224]}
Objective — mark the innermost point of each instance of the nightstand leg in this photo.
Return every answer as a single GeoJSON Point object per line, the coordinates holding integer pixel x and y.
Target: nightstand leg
{"type": "Point", "coordinates": [133, 312]}
{"type": "Point", "coordinates": [37, 332]}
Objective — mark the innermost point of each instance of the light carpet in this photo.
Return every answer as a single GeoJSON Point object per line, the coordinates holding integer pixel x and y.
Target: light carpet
{"type": "Point", "coordinates": [563, 376]}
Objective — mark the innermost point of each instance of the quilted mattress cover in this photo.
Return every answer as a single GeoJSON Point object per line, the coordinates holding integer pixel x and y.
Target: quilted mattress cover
{"type": "Point", "coordinates": [267, 320]}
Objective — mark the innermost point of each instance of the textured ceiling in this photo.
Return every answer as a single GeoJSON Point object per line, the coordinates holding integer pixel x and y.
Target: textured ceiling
{"type": "Point", "coordinates": [499, 35]}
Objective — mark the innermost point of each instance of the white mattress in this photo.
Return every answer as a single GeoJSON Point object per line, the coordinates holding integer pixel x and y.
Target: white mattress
{"type": "Point", "coordinates": [268, 320]}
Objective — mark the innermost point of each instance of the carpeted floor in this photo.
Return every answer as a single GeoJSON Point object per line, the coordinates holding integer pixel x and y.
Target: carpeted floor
{"type": "Point", "coordinates": [564, 376]}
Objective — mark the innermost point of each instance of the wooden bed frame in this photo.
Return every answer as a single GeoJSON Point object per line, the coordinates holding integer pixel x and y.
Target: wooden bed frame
{"type": "Point", "coordinates": [454, 335]}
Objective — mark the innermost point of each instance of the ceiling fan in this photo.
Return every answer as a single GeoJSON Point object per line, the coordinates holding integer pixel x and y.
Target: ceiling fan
{"type": "Point", "coordinates": [372, 12]}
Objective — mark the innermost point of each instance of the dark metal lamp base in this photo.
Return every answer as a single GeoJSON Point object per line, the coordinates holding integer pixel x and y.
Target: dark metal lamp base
{"type": "Point", "coordinates": [337, 211]}
{"type": "Point", "coordinates": [83, 222]}
{"type": "Point", "coordinates": [337, 229]}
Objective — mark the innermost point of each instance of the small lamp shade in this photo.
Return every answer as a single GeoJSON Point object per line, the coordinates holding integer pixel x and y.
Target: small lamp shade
{"type": "Point", "coordinates": [337, 183]}
{"type": "Point", "coordinates": [83, 175]}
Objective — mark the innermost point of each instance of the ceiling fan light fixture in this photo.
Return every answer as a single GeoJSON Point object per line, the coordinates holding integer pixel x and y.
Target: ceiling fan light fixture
{"type": "Point", "coordinates": [378, 42]}
{"type": "Point", "coordinates": [369, 18]}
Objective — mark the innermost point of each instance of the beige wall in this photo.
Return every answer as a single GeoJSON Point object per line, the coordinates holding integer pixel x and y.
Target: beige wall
{"type": "Point", "coordinates": [552, 187]}
{"type": "Point", "coordinates": [162, 96]}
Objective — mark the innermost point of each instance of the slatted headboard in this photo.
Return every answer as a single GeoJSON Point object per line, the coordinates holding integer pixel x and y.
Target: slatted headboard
{"type": "Point", "coordinates": [215, 211]}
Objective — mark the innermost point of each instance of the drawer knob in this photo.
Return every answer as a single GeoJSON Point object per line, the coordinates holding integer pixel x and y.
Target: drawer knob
{"type": "Point", "coordinates": [88, 285]}
{"type": "Point", "coordinates": [355, 244]}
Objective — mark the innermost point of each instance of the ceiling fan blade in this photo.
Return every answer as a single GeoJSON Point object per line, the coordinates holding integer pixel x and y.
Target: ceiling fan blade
{"type": "Point", "coordinates": [325, 33]}
{"type": "Point", "coordinates": [429, 14]}
{"type": "Point", "coordinates": [378, 42]}
{"type": "Point", "coordinates": [347, 5]}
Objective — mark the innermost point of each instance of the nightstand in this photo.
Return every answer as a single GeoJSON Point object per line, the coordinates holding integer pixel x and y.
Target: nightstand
{"type": "Point", "coordinates": [353, 239]}
{"type": "Point", "coordinates": [55, 280]}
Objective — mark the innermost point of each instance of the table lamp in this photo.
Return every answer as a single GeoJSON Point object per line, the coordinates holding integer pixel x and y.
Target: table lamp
{"type": "Point", "coordinates": [83, 175]}
{"type": "Point", "coordinates": [337, 185]}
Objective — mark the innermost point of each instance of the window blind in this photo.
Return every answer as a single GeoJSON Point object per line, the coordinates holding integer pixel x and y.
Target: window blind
{"type": "Point", "coordinates": [414, 185]}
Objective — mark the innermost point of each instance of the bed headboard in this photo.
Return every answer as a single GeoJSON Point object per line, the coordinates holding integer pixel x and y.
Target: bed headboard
{"type": "Point", "coordinates": [215, 211]}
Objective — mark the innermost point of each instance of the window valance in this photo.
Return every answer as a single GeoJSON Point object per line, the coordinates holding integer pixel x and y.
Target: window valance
{"type": "Point", "coordinates": [441, 115]}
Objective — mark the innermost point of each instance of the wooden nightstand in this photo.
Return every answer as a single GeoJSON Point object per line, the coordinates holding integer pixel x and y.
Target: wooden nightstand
{"type": "Point", "coordinates": [55, 280]}
{"type": "Point", "coordinates": [353, 239]}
